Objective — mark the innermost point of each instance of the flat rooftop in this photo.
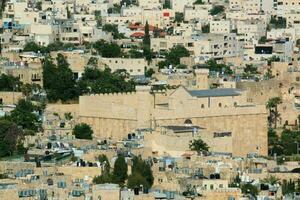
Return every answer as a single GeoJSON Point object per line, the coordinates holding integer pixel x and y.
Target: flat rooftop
{"type": "Point", "coordinates": [220, 92]}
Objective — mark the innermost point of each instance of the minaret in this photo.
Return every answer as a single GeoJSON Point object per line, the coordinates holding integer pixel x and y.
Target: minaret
{"type": "Point", "coordinates": [202, 79]}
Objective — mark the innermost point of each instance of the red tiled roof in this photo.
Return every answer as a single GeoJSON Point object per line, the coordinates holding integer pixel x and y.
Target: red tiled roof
{"type": "Point", "coordinates": [137, 34]}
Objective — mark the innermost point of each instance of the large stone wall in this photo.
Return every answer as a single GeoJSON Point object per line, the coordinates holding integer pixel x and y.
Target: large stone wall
{"type": "Point", "coordinates": [116, 115]}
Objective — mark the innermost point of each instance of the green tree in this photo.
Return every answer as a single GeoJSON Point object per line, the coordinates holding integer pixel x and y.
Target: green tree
{"type": "Point", "coordinates": [217, 10]}
{"type": "Point", "coordinates": [262, 40]}
{"type": "Point", "coordinates": [120, 170]}
{"type": "Point", "coordinates": [149, 72]}
{"type": "Point", "coordinates": [198, 145]}
{"type": "Point", "coordinates": [167, 4]}
{"type": "Point", "coordinates": [277, 23]}
{"type": "Point", "coordinates": [175, 53]}
{"type": "Point", "coordinates": [116, 9]}
{"type": "Point", "coordinates": [58, 80]}
{"type": "Point", "coordinates": [248, 188]}
{"type": "Point", "coordinates": [288, 141]}
{"type": "Point", "coordinates": [83, 131]}
{"type": "Point", "coordinates": [104, 178]}
{"type": "Point", "coordinates": [288, 187]}
{"type": "Point", "coordinates": [108, 50]}
{"type": "Point", "coordinates": [31, 46]}
{"type": "Point", "coordinates": [104, 161]}
{"type": "Point", "coordinates": [144, 169]}
{"type": "Point", "coordinates": [212, 65]}
{"type": "Point", "coordinates": [146, 39]}
{"type": "Point", "coordinates": [205, 28]}
{"type": "Point", "coordinates": [136, 180]}
{"type": "Point", "coordinates": [113, 28]}
{"type": "Point", "coordinates": [23, 115]}
{"type": "Point", "coordinates": [10, 138]}
{"type": "Point", "coordinates": [146, 43]}
{"type": "Point", "coordinates": [272, 105]}
{"type": "Point", "coordinates": [198, 2]}
{"type": "Point", "coordinates": [179, 17]}
{"type": "Point", "coordinates": [38, 5]}
{"type": "Point", "coordinates": [270, 179]}
{"type": "Point", "coordinates": [274, 144]}
{"type": "Point", "coordinates": [10, 83]}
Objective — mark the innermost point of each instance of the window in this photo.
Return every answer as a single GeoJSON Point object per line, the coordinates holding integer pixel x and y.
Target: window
{"type": "Point", "coordinates": [220, 105]}
{"type": "Point", "coordinates": [202, 105]}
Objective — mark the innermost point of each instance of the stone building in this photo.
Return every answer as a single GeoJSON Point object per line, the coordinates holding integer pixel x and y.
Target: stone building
{"type": "Point", "coordinates": [218, 111]}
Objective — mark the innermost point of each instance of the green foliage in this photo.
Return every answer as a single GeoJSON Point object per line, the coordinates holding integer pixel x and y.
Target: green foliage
{"type": "Point", "coordinates": [273, 59]}
{"type": "Point", "coordinates": [217, 10]}
{"type": "Point", "coordinates": [272, 105]}
{"type": "Point", "coordinates": [135, 53]}
{"type": "Point", "coordinates": [198, 2]}
{"type": "Point", "coordinates": [149, 72]}
{"type": "Point", "coordinates": [83, 131]}
{"type": "Point", "coordinates": [68, 116]}
{"type": "Point", "coordinates": [103, 159]}
{"type": "Point", "coordinates": [58, 80]}
{"type": "Point", "coordinates": [198, 145]}
{"type": "Point", "coordinates": [120, 170]}
{"type": "Point", "coordinates": [270, 179]}
{"type": "Point", "coordinates": [288, 187]}
{"type": "Point", "coordinates": [277, 23]}
{"type": "Point", "coordinates": [262, 40]}
{"type": "Point", "coordinates": [248, 188]}
{"type": "Point", "coordinates": [136, 180]}
{"type": "Point", "coordinates": [9, 83]}
{"type": "Point", "coordinates": [146, 39]}
{"type": "Point", "coordinates": [97, 81]}
{"type": "Point", "coordinates": [249, 71]}
{"type": "Point", "coordinates": [268, 75]}
{"type": "Point", "coordinates": [274, 144]}
{"type": "Point", "coordinates": [55, 46]}
{"type": "Point", "coordinates": [108, 50]}
{"type": "Point", "coordinates": [174, 55]}
{"type": "Point", "coordinates": [38, 5]}
{"type": "Point", "coordinates": [113, 28]}
{"type": "Point", "coordinates": [104, 178]}
{"type": "Point", "coordinates": [205, 28]}
{"type": "Point", "coordinates": [212, 65]}
{"type": "Point", "coordinates": [140, 167]}
{"type": "Point", "coordinates": [179, 17]}
{"type": "Point", "coordinates": [10, 138]}
{"type": "Point", "coordinates": [23, 115]}
{"type": "Point", "coordinates": [288, 141]}
{"type": "Point", "coordinates": [93, 61]}
{"type": "Point", "coordinates": [167, 4]}
{"type": "Point", "coordinates": [116, 9]}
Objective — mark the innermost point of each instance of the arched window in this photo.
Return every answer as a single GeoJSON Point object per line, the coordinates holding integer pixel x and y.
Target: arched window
{"type": "Point", "coordinates": [220, 105]}
{"type": "Point", "coordinates": [188, 122]}
{"type": "Point", "coordinates": [202, 105]}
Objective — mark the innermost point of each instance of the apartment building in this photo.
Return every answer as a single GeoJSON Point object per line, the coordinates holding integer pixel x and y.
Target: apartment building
{"type": "Point", "coordinates": [222, 26]}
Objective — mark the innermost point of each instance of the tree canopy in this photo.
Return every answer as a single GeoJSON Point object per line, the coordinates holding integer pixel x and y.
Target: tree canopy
{"type": "Point", "coordinates": [120, 170]}
{"type": "Point", "coordinates": [58, 80]}
{"type": "Point", "coordinates": [25, 115]}
{"type": "Point", "coordinates": [83, 131]}
{"type": "Point", "coordinates": [108, 49]}
{"type": "Point", "coordinates": [10, 137]}
{"type": "Point", "coordinates": [173, 56]}
{"type": "Point", "coordinates": [217, 10]}
{"type": "Point", "coordinates": [9, 83]}
{"type": "Point", "coordinates": [198, 145]}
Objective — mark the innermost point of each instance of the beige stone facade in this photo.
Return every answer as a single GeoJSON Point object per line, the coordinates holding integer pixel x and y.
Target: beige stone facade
{"type": "Point", "coordinates": [217, 111]}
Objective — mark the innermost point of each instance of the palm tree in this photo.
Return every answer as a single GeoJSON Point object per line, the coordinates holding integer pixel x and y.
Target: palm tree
{"type": "Point", "coordinates": [272, 105]}
{"type": "Point", "coordinates": [270, 179]}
